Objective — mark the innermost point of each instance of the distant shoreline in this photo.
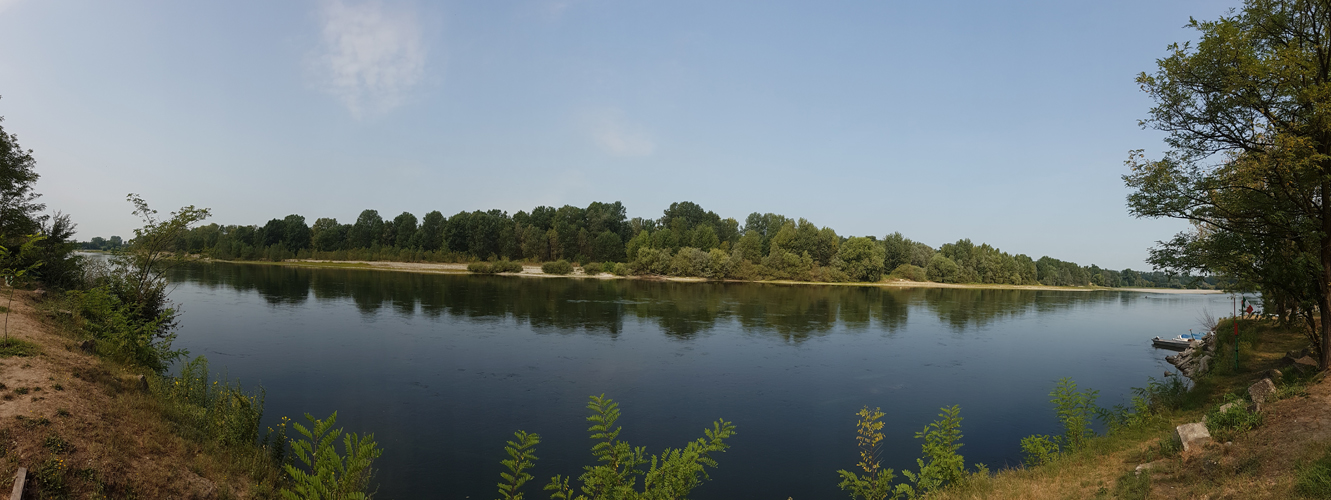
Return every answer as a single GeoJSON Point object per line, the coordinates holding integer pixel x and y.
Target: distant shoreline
{"type": "Point", "coordinates": [534, 271]}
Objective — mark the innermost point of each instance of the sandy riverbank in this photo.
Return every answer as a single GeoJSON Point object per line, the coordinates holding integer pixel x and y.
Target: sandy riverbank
{"type": "Point", "coordinates": [534, 271]}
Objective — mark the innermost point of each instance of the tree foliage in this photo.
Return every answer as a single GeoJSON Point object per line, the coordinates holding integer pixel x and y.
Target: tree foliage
{"type": "Point", "coordinates": [1248, 119]}
{"type": "Point", "coordinates": [672, 474]}
{"type": "Point", "coordinates": [328, 474]}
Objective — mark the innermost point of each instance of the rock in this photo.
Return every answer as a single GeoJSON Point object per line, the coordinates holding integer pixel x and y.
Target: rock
{"type": "Point", "coordinates": [1274, 374]}
{"type": "Point", "coordinates": [137, 382]}
{"type": "Point", "coordinates": [1147, 467]}
{"type": "Point", "coordinates": [1193, 436]}
{"type": "Point", "coordinates": [1202, 365]}
{"type": "Point", "coordinates": [1261, 392]}
{"type": "Point", "coordinates": [88, 346]}
{"type": "Point", "coordinates": [199, 487]}
{"type": "Point", "coordinates": [1305, 362]}
{"type": "Point", "coordinates": [1225, 408]}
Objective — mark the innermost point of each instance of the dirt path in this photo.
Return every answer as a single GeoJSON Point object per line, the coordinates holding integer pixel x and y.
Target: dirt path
{"type": "Point", "coordinates": [84, 425]}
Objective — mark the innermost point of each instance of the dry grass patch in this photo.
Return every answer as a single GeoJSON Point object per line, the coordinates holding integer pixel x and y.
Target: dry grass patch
{"type": "Point", "coordinates": [99, 434]}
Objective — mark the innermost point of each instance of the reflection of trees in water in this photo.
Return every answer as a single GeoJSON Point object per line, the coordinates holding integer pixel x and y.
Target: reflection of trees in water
{"type": "Point", "coordinates": [682, 310]}
{"type": "Point", "coordinates": [962, 308]}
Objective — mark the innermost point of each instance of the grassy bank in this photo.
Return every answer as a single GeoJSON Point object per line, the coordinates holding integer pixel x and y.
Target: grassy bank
{"type": "Point", "coordinates": [1286, 455]}
{"type": "Point", "coordinates": [87, 427]}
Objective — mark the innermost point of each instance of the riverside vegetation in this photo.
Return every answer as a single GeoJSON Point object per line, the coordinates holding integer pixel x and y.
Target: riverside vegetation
{"type": "Point", "coordinates": [686, 241]}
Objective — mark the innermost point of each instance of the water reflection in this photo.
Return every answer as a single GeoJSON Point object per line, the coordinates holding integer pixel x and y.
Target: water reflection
{"type": "Point", "coordinates": [682, 311]}
{"type": "Point", "coordinates": [443, 368]}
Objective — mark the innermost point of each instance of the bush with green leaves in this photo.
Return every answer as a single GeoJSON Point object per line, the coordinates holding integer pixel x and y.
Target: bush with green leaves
{"type": "Point", "coordinates": [328, 474]}
{"type": "Point", "coordinates": [210, 410]}
{"type": "Point", "coordinates": [557, 267]}
{"type": "Point", "coordinates": [594, 268]}
{"type": "Point", "coordinates": [909, 272]}
{"type": "Point", "coordinates": [122, 333]}
{"type": "Point", "coordinates": [1239, 419]}
{"type": "Point", "coordinates": [941, 464]}
{"type": "Point", "coordinates": [1075, 411]}
{"type": "Point", "coordinates": [125, 305]}
{"type": "Point", "coordinates": [940, 467]}
{"type": "Point", "coordinates": [875, 483]}
{"type": "Point", "coordinates": [521, 457]}
{"type": "Point", "coordinates": [1038, 450]}
{"type": "Point", "coordinates": [672, 474]}
{"type": "Point", "coordinates": [496, 267]}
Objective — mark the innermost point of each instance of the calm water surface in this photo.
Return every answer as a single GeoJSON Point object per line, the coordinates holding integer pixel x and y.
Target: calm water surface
{"type": "Point", "coordinates": [443, 368]}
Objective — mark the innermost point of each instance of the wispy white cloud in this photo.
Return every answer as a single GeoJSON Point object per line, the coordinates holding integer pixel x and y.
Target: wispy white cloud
{"type": "Point", "coordinates": [371, 56]}
{"type": "Point", "coordinates": [618, 137]}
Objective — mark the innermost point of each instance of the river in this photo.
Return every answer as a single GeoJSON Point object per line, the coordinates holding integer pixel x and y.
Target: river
{"type": "Point", "coordinates": [442, 369]}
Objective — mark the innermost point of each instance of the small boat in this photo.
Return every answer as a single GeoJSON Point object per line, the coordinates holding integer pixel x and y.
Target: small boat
{"type": "Point", "coordinates": [1176, 344]}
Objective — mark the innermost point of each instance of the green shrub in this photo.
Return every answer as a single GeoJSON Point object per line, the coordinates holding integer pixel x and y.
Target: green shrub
{"type": "Point", "coordinates": [520, 458]}
{"type": "Point", "coordinates": [121, 326]}
{"type": "Point", "coordinates": [56, 444]}
{"type": "Point", "coordinates": [499, 266]}
{"type": "Point", "coordinates": [331, 475]}
{"type": "Point", "coordinates": [210, 411]}
{"type": "Point", "coordinates": [672, 474]}
{"type": "Point", "coordinates": [909, 272]}
{"type": "Point", "coordinates": [507, 266]}
{"type": "Point", "coordinates": [593, 269]}
{"type": "Point", "coordinates": [557, 267]}
{"type": "Point", "coordinates": [49, 477]}
{"type": "Point", "coordinates": [944, 466]}
{"type": "Point", "coordinates": [1038, 450]}
{"type": "Point", "coordinates": [1075, 410]}
{"type": "Point", "coordinates": [876, 482]}
{"type": "Point", "coordinates": [621, 269]}
{"type": "Point", "coordinates": [1238, 420]}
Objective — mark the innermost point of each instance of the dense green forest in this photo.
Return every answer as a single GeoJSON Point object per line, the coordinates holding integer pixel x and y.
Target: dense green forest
{"type": "Point", "coordinates": [686, 240]}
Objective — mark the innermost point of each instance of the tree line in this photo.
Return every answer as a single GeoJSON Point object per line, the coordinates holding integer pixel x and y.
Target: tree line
{"type": "Point", "coordinates": [687, 240]}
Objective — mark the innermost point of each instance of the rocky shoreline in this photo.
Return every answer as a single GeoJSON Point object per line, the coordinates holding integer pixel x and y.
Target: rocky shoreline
{"type": "Point", "coordinates": [1195, 361]}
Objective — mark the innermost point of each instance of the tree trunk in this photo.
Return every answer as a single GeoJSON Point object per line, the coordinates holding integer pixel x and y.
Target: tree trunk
{"type": "Point", "coordinates": [1324, 285]}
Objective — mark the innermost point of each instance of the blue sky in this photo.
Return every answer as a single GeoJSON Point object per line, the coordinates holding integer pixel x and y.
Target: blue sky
{"type": "Point", "coordinates": [1002, 122]}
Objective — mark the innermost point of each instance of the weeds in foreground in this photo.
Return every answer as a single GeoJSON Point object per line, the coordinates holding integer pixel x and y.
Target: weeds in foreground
{"type": "Point", "coordinates": [876, 482]}
{"type": "Point", "coordinates": [940, 467]}
{"type": "Point", "coordinates": [11, 346]}
{"type": "Point", "coordinates": [330, 475]}
{"type": "Point", "coordinates": [1313, 479]}
{"type": "Point", "coordinates": [1075, 410]}
{"type": "Point", "coordinates": [206, 410]}
{"type": "Point", "coordinates": [1129, 486]}
{"type": "Point", "coordinates": [1237, 420]}
{"type": "Point", "coordinates": [942, 439]}
{"type": "Point", "coordinates": [672, 474]}
{"type": "Point", "coordinates": [1038, 450]}
{"type": "Point", "coordinates": [520, 458]}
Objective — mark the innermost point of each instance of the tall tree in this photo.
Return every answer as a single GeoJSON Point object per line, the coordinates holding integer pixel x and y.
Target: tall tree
{"type": "Point", "coordinates": [367, 230]}
{"type": "Point", "coordinates": [430, 236]}
{"type": "Point", "coordinates": [1247, 110]}
{"type": "Point", "coordinates": [19, 210]}
{"type": "Point", "coordinates": [404, 230]}
{"type": "Point", "coordinates": [327, 235]}
{"type": "Point", "coordinates": [298, 233]}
